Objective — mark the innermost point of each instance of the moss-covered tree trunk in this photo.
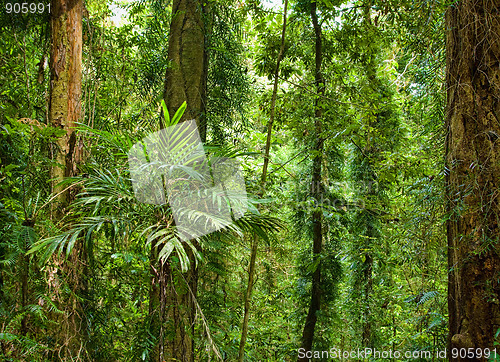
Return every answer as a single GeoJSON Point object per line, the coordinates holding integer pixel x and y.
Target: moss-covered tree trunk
{"type": "Point", "coordinates": [473, 172]}
{"type": "Point", "coordinates": [65, 90]}
{"type": "Point", "coordinates": [186, 76]}
{"type": "Point", "coordinates": [316, 191]}
{"type": "Point", "coordinates": [173, 294]}
{"type": "Point", "coordinates": [64, 113]}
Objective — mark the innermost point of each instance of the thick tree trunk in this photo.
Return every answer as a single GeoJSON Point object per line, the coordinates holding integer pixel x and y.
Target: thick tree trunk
{"type": "Point", "coordinates": [181, 291]}
{"type": "Point", "coordinates": [473, 173]}
{"type": "Point", "coordinates": [173, 294]}
{"type": "Point", "coordinates": [186, 76]}
{"type": "Point", "coordinates": [64, 112]}
{"type": "Point", "coordinates": [65, 90]}
{"type": "Point", "coordinates": [172, 311]}
{"type": "Point", "coordinates": [316, 191]}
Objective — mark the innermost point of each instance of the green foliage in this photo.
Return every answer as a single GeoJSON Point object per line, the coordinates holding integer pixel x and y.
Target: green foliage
{"type": "Point", "coordinates": [384, 254]}
{"type": "Point", "coordinates": [228, 84]}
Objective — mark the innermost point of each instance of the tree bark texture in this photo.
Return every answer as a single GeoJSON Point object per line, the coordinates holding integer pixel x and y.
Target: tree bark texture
{"type": "Point", "coordinates": [186, 76]}
{"type": "Point", "coordinates": [65, 90]}
{"type": "Point", "coordinates": [173, 293]}
{"type": "Point", "coordinates": [316, 192]}
{"type": "Point", "coordinates": [172, 311]}
{"type": "Point", "coordinates": [64, 113]}
{"type": "Point", "coordinates": [473, 172]}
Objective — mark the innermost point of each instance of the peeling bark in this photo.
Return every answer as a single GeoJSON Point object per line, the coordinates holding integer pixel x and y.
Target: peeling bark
{"type": "Point", "coordinates": [64, 112]}
{"type": "Point", "coordinates": [65, 90]}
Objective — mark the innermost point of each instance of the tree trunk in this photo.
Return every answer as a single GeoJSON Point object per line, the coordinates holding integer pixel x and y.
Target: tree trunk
{"type": "Point", "coordinates": [248, 296]}
{"type": "Point", "coordinates": [173, 294]}
{"type": "Point", "coordinates": [473, 173]}
{"type": "Point", "coordinates": [186, 76]}
{"type": "Point", "coordinates": [316, 191]}
{"type": "Point", "coordinates": [65, 90]}
{"type": "Point", "coordinates": [255, 243]}
{"type": "Point", "coordinates": [64, 112]}
{"type": "Point", "coordinates": [172, 311]}
{"type": "Point", "coordinates": [181, 291]}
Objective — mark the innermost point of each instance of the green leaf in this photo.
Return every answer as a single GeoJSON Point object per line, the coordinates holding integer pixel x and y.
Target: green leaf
{"type": "Point", "coordinates": [179, 113]}
{"type": "Point", "coordinates": [165, 112]}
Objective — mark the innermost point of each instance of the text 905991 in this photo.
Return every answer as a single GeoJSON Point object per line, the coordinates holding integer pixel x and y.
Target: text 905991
{"type": "Point", "coordinates": [24, 8]}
